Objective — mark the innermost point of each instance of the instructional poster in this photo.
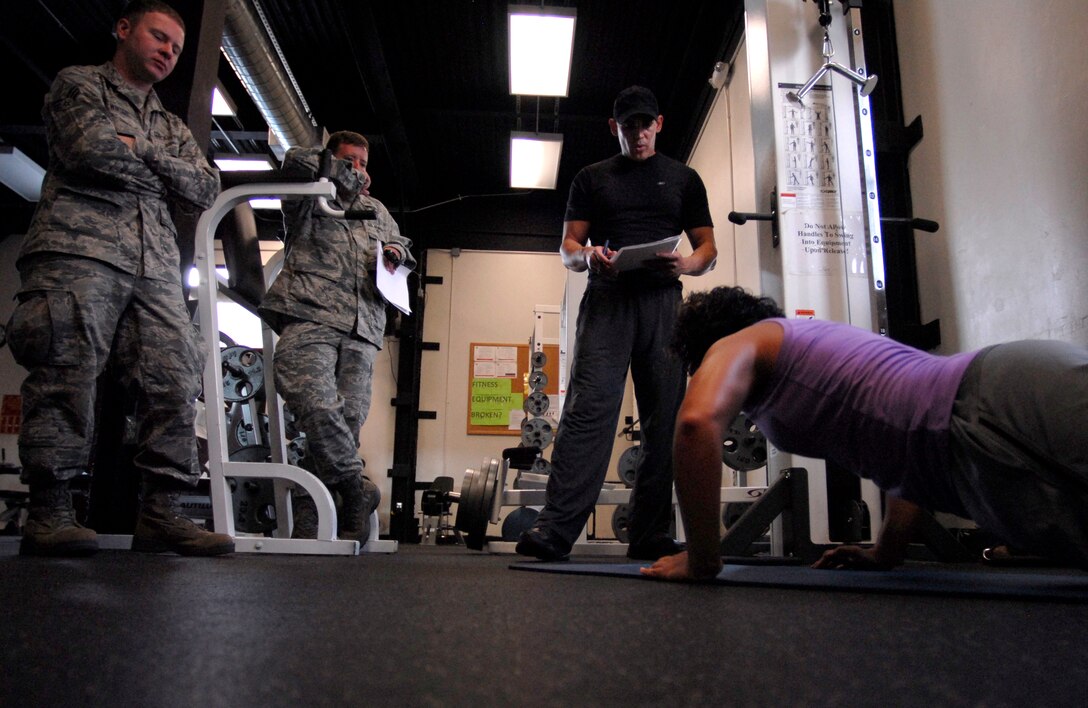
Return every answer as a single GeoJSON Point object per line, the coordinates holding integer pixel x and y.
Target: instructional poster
{"type": "Point", "coordinates": [809, 138]}
{"type": "Point", "coordinates": [818, 238]}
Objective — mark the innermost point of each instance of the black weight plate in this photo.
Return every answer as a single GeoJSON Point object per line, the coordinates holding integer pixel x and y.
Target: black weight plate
{"type": "Point", "coordinates": [744, 448]}
{"type": "Point", "coordinates": [492, 488]}
{"type": "Point", "coordinates": [483, 493]}
{"type": "Point", "coordinates": [538, 360]}
{"type": "Point", "coordinates": [240, 433]}
{"type": "Point", "coordinates": [477, 522]}
{"type": "Point", "coordinates": [621, 522]}
{"type": "Point", "coordinates": [251, 453]}
{"type": "Point", "coordinates": [467, 502]}
{"type": "Point", "coordinates": [628, 465]}
{"type": "Point", "coordinates": [517, 521]}
{"type": "Point", "coordinates": [732, 512]}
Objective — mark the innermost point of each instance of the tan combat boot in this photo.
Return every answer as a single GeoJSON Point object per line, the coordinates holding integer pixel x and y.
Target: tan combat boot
{"type": "Point", "coordinates": [51, 528]}
{"type": "Point", "coordinates": [161, 528]}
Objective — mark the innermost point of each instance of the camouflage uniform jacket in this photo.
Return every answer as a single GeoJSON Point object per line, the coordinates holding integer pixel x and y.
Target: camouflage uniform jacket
{"type": "Point", "coordinates": [100, 198]}
{"type": "Point", "coordinates": [328, 274]}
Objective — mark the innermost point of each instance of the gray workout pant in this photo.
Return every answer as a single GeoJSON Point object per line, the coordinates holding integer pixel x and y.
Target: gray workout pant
{"type": "Point", "coordinates": [1021, 446]}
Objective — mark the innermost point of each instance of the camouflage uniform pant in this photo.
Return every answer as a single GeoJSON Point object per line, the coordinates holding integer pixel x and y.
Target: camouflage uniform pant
{"type": "Point", "coordinates": [74, 316]}
{"type": "Point", "coordinates": [324, 377]}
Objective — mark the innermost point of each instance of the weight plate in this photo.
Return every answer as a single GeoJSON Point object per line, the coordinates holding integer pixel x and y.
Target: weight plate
{"type": "Point", "coordinates": [518, 521]}
{"type": "Point", "coordinates": [467, 503]}
{"type": "Point", "coordinates": [628, 465]}
{"type": "Point", "coordinates": [243, 373]}
{"type": "Point", "coordinates": [242, 433]}
{"type": "Point", "coordinates": [541, 466]}
{"type": "Point", "coordinates": [732, 512]}
{"type": "Point", "coordinates": [536, 403]}
{"type": "Point", "coordinates": [744, 448]}
{"type": "Point", "coordinates": [621, 522]}
{"type": "Point", "coordinates": [538, 360]}
{"type": "Point", "coordinates": [296, 450]}
{"type": "Point", "coordinates": [491, 489]}
{"type": "Point", "coordinates": [536, 432]}
{"type": "Point", "coordinates": [252, 453]}
{"type": "Point", "coordinates": [483, 495]}
{"type": "Point", "coordinates": [538, 380]}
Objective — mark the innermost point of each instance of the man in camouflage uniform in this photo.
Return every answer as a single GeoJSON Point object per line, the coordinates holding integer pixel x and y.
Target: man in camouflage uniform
{"type": "Point", "coordinates": [326, 307]}
{"type": "Point", "coordinates": [101, 281]}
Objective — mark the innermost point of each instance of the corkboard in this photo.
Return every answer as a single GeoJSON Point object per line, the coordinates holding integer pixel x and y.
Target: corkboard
{"type": "Point", "coordinates": [517, 385]}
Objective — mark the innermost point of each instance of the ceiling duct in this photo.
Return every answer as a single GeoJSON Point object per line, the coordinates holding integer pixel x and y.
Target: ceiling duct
{"type": "Point", "coordinates": [251, 49]}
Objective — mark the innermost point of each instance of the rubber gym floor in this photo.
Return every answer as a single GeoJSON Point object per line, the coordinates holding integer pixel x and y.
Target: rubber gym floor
{"type": "Point", "coordinates": [446, 626]}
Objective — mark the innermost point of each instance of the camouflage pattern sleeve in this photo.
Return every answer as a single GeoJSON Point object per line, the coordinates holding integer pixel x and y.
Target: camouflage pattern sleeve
{"type": "Point", "coordinates": [303, 163]}
{"type": "Point", "coordinates": [387, 231]}
{"type": "Point", "coordinates": [83, 140]}
{"type": "Point", "coordinates": [183, 169]}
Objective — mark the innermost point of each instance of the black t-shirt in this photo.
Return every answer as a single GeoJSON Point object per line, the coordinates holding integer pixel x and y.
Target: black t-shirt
{"type": "Point", "coordinates": [629, 201]}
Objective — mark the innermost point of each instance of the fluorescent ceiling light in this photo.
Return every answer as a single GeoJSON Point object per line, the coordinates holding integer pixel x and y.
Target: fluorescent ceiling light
{"type": "Point", "coordinates": [265, 203]}
{"type": "Point", "coordinates": [221, 104]}
{"type": "Point", "coordinates": [239, 163]}
{"type": "Point", "coordinates": [541, 43]}
{"type": "Point", "coordinates": [534, 159]}
{"type": "Point", "coordinates": [20, 173]}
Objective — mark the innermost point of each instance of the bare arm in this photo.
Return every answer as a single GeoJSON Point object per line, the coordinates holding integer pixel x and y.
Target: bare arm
{"type": "Point", "coordinates": [577, 256]}
{"type": "Point", "coordinates": [900, 524]}
{"type": "Point", "coordinates": [728, 374]}
{"type": "Point", "coordinates": [703, 256]}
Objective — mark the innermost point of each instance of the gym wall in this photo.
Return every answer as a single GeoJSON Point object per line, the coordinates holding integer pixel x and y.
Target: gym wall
{"type": "Point", "coordinates": [485, 296]}
{"type": "Point", "coordinates": [1003, 166]}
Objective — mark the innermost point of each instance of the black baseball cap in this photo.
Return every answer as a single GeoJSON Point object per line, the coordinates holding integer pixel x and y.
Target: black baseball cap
{"type": "Point", "coordinates": [635, 101]}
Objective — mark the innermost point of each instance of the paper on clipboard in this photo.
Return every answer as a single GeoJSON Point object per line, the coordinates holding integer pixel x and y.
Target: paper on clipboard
{"type": "Point", "coordinates": [393, 286]}
{"type": "Point", "coordinates": [631, 257]}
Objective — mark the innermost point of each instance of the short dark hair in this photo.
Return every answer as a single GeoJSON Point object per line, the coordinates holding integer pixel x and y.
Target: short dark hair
{"type": "Point", "coordinates": [346, 137]}
{"type": "Point", "coordinates": [705, 317]}
{"type": "Point", "coordinates": [136, 9]}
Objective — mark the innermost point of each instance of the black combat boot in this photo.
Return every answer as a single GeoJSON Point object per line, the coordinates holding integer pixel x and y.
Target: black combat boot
{"type": "Point", "coordinates": [160, 527]}
{"type": "Point", "coordinates": [304, 515]}
{"type": "Point", "coordinates": [359, 497]}
{"type": "Point", "coordinates": [51, 528]}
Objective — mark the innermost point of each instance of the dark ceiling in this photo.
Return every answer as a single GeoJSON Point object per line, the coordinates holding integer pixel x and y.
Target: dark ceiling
{"type": "Point", "coordinates": [427, 82]}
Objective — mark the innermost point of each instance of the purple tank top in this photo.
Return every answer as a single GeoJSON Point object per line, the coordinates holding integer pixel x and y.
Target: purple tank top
{"type": "Point", "coordinates": [877, 408]}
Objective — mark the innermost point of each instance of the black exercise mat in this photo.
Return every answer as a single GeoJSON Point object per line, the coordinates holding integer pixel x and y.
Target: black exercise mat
{"type": "Point", "coordinates": [911, 581]}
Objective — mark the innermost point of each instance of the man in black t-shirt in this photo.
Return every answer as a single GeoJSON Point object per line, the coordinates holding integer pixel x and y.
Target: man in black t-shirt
{"type": "Point", "coordinates": [625, 320]}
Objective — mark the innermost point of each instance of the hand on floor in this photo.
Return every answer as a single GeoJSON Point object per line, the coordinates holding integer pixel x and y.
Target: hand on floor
{"type": "Point", "coordinates": [677, 568]}
{"type": "Point", "coordinates": [850, 558]}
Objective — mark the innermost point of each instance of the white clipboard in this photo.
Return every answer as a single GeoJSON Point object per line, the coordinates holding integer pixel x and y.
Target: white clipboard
{"type": "Point", "coordinates": [393, 286]}
{"type": "Point", "coordinates": [631, 257]}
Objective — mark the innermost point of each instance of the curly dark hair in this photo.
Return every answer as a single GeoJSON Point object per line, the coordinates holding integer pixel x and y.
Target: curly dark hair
{"type": "Point", "coordinates": [705, 317]}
